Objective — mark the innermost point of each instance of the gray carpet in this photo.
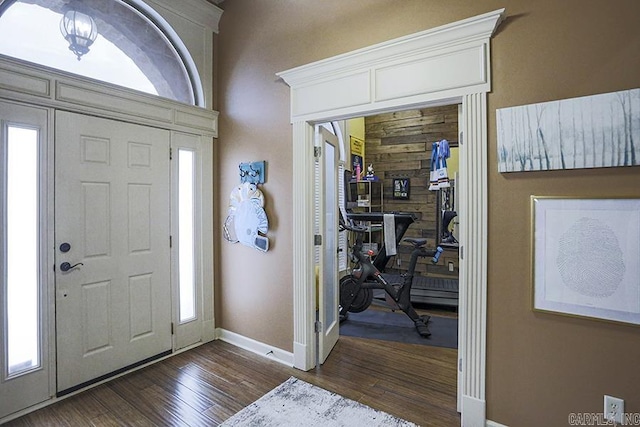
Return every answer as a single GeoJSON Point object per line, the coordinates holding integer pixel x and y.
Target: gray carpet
{"type": "Point", "coordinates": [297, 403]}
{"type": "Point", "coordinates": [396, 326]}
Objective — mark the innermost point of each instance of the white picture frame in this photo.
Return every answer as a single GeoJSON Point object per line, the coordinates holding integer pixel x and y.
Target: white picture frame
{"type": "Point", "coordinates": [586, 257]}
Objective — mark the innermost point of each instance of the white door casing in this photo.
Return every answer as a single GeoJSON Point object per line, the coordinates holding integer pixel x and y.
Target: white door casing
{"type": "Point", "coordinates": [112, 208]}
{"type": "Point", "coordinates": [192, 330]}
{"type": "Point", "coordinates": [328, 267]}
{"type": "Point", "coordinates": [461, 314]}
{"type": "Point", "coordinates": [408, 72]}
{"type": "Point", "coordinates": [36, 385]}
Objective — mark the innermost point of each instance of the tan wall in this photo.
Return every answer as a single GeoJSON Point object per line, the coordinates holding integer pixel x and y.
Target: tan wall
{"type": "Point", "coordinates": [541, 367]}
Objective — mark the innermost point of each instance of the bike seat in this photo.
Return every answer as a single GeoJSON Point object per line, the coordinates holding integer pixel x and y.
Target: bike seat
{"type": "Point", "coordinates": [416, 242]}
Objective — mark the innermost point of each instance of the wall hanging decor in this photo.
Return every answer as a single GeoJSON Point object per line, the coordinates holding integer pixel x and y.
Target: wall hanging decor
{"type": "Point", "coordinates": [401, 188]}
{"type": "Point", "coordinates": [357, 157]}
{"type": "Point", "coordinates": [587, 132]}
{"type": "Point", "coordinates": [246, 220]}
{"type": "Point", "coordinates": [438, 175]}
{"type": "Point", "coordinates": [585, 257]}
{"type": "Point", "coordinates": [253, 172]}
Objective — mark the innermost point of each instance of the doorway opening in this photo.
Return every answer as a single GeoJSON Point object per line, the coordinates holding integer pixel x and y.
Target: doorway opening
{"type": "Point", "coordinates": [397, 148]}
{"type": "Point", "coordinates": [407, 72]}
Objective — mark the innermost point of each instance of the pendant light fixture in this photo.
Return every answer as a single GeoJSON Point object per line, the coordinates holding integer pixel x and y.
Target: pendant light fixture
{"type": "Point", "coordinates": [78, 28]}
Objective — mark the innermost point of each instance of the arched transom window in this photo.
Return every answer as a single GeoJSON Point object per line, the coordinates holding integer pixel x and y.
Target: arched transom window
{"type": "Point", "coordinates": [133, 47]}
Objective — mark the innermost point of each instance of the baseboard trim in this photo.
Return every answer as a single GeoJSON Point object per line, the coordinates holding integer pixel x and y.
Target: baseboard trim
{"type": "Point", "coordinates": [208, 331]}
{"type": "Point", "coordinates": [473, 412]}
{"type": "Point", "coordinates": [264, 350]}
{"type": "Point", "coordinates": [494, 424]}
{"type": "Point", "coordinates": [302, 358]}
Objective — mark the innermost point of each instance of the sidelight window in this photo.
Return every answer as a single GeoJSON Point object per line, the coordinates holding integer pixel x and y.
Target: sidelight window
{"type": "Point", "coordinates": [21, 261]}
{"type": "Point", "coordinates": [186, 233]}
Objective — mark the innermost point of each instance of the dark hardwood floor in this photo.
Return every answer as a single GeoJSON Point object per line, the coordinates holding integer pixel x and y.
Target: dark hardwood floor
{"type": "Point", "coordinates": [206, 385]}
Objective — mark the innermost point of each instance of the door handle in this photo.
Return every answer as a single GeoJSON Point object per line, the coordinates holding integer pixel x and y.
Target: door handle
{"type": "Point", "coordinates": [65, 266]}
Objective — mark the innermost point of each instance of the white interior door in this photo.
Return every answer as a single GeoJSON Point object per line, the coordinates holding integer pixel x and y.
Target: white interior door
{"type": "Point", "coordinates": [112, 222]}
{"type": "Point", "coordinates": [25, 265]}
{"type": "Point", "coordinates": [328, 271]}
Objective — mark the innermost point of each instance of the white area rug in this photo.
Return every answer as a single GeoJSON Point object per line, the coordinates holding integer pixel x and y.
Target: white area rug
{"type": "Point", "coordinates": [298, 403]}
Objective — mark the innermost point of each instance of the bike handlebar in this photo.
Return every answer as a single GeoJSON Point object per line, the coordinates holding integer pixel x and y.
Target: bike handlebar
{"type": "Point", "coordinates": [362, 229]}
{"type": "Point", "coordinates": [352, 227]}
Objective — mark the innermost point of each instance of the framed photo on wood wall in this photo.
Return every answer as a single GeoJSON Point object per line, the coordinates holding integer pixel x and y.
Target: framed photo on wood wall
{"type": "Point", "coordinates": [585, 257]}
{"type": "Point", "coordinates": [401, 188]}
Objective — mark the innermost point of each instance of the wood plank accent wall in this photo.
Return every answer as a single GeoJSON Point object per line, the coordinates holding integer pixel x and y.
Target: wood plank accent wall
{"type": "Point", "coordinates": [399, 146]}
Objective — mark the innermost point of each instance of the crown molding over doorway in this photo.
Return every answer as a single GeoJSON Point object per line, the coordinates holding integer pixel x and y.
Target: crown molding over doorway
{"type": "Point", "coordinates": [436, 65]}
{"type": "Point", "coordinates": [445, 65]}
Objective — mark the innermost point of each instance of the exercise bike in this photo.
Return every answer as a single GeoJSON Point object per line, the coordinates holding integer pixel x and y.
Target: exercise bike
{"type": "Point", "coordinates": [356, 289]}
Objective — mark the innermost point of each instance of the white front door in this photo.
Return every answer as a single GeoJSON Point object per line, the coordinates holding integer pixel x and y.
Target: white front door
{"type": "Point", "coordinates": [328, 270]}
{"type": "Point", "coordinates": [112, 227]}
{"type": "Point", "coordinates": [25, 265]}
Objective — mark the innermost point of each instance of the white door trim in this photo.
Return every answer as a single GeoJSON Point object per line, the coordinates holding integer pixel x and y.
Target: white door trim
{"type": "Point", "coordinates": [33, 84]}
{"type": "Point", "coordinates": [408, 72]}
{"type": "Point", "coordinates": [12, 113]}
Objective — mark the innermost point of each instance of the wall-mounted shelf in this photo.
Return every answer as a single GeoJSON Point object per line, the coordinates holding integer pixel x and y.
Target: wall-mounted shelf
{"type": "Point", "coordinates": [364, 197]}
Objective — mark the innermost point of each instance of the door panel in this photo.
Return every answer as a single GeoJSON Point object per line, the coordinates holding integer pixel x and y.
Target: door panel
{"type": "Point", "coordinates": [328, 283]}
{"type": "Point", "coordinates": [112, 207]}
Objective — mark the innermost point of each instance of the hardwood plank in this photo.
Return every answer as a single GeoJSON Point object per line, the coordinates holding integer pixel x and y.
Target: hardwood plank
{"type": "Point", "coordinates": [143, 398]}
{"type": "Point", "coordinates": [120, 412]}
{"type": "Point", "coordinates": [404, 148]}
{"type": "Point", "coordinates": [405, 139]}
{"type": "Point", "coordinates": [81, 410]}
{"type": "Point", "coordinates": [376, 158]}
{"type": "Point", "coordinates": [398, 115]}
{"type": "Point", "coordinates": [389, 126]}
{"type": "Point", "coordinates": [395, 166]}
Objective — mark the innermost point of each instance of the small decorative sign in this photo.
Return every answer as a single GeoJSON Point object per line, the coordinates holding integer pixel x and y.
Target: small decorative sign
{"type": "Point", "coordinates": [357, 157]}
{"type": "Point", "coordinates": [401, 187]}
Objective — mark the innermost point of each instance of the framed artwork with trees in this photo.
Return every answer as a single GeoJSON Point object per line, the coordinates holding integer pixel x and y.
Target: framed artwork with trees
{"type": "Point", "coordinates": [588, 132]}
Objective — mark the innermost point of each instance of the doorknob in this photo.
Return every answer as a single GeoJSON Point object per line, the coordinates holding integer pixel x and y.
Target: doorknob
{"type": "Point", "coordinates": [65, 266]}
